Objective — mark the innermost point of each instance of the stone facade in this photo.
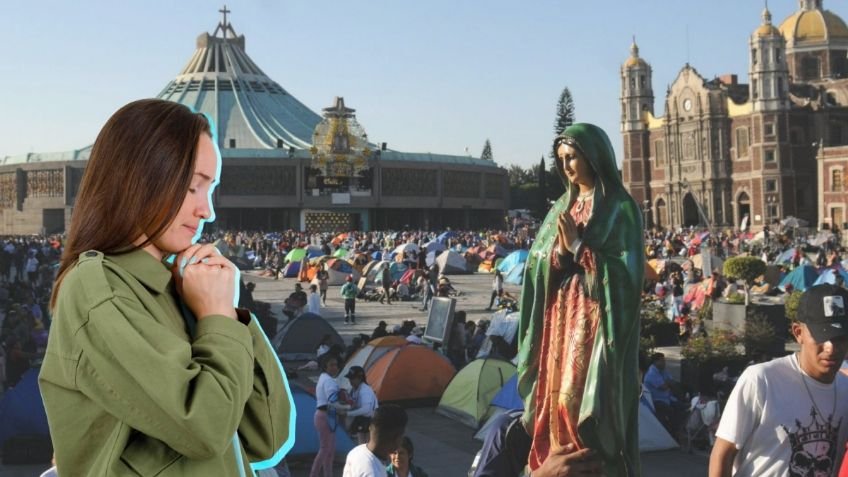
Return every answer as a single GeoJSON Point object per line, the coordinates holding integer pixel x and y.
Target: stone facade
{"type": "Point", "coordinates": [724, 150]}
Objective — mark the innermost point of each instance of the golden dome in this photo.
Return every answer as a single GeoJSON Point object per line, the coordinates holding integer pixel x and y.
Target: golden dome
{"type": "Point", "coordinates": [767, 30]}
{"type": "Point", "coordinates": [813, 26]}
{"type": "Point", "coordinates": [634, 61]}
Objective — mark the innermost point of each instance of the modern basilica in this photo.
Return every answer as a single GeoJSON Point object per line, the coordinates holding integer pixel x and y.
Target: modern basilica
{"type": "Point", "coordinates": [284, 165]}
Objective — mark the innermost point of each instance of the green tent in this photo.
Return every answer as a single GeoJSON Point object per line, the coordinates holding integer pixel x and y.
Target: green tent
{"type": "Point", "coordinates": [340, 253]}
{"type": "Point", "coordinates": [296, 255]}
{"type": "Point", "coordinates": [470, 392]}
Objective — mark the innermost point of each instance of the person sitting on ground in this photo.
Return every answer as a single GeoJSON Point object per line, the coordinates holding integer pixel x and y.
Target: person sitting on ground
{"type": "Point", "coordinates": [761, 286]}
{"type": "Point", "coordinates": [415, 336]}
{"type": "Point", "coordinates": [364, 404]}
{"type": "Point", "coordinates": [659, 383]}
{"type": "Point", "coordinates": [403, 292]}
{"type": "Point", "coordinates": [401, 465]}
{"type": "Point", "coordinates": [380, 330]}
{"type": "Point", "coordinates": [314, 300]}
{"type": "Point", "coordinates": [356, 344]}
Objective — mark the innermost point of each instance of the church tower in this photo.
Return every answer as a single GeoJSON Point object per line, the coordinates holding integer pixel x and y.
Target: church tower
{"type": "Point", "coordinates": [637, 99]}
{"type": "Point", "coordinates": [768, 70]}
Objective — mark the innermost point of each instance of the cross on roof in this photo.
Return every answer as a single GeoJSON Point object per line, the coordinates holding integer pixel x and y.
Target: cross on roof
{"type": "Point", "coordinates": [225, 12]}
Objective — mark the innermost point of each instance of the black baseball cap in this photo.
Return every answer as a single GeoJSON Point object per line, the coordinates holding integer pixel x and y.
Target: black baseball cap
{"type": "Point", "coordinates": [822, 309]}
{"type": "Point", "coordinates": [355, 371]}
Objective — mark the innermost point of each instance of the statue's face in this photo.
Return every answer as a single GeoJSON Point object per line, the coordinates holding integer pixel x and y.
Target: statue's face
{"type": "Point", "coordinates": [576, 168]}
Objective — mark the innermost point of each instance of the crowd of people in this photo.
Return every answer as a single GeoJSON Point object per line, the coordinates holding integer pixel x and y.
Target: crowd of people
{"type": "Point", "coordinates": [28, 264]}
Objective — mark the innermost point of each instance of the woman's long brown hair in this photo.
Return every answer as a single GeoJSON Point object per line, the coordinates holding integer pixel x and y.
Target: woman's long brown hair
{"type": "Point", "coordinates": [135, 181]}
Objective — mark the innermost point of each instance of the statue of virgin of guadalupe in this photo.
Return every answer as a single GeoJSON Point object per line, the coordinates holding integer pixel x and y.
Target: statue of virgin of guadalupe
{"type": "Point", "coordinates": [579, 328]}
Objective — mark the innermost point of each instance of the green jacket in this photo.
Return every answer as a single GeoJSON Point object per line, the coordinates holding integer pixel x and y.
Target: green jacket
{"type": "Point", "coordinates": [349, 290]}
{"type": "Point", "coordinates": [128, 391]}
{"type": "Point", "coordinates": [609, 411]}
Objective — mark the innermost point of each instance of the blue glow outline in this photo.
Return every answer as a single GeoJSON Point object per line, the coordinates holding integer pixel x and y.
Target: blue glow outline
{"type": "Point", "coordinates": [289, 443]}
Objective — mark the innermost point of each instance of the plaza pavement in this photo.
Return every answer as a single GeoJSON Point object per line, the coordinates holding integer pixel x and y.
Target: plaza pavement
{"type": "Point", "coordinates": [443, 447]}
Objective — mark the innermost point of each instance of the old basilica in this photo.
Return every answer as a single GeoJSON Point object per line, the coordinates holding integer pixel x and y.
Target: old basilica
{"type": "Point", "coordinates": [727, 154]}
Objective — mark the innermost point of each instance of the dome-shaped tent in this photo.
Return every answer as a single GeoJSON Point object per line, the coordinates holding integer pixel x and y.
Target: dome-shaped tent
{"type": "Point", "coordinates": [410, 373]}
{"type": "Point", "coordinates": [369, 354]}
{"type": "Point", "coordinates": [470, 392]}
{"type": "Point", "coordinates": [300, 338]}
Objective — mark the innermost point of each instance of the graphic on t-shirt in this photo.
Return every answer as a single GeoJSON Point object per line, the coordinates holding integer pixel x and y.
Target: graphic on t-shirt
{"type": "Point", "coordinates": [813, 447]}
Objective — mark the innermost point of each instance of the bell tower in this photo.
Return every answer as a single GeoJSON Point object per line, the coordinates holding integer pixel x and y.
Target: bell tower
{"type": "Point", "coordinates": [637, 100]}
{"type": "Point", "coordinates": [768, 70]}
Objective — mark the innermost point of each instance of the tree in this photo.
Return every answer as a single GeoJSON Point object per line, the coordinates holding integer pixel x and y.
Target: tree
{"type": "Point", "coordinates": [746, 269]}
{"type": "Point", "coordinates": [518, 175]}
{"type": "Point", "coordinates": [487, 151]}
{"type": "Point", "coordinates": [564, 112]}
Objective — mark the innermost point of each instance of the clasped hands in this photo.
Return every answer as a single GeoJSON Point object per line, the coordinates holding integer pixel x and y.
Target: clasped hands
{"type": "Point", "coordinates": [568, 236]}
{"type": "Point", "coordinates": [205, 280]}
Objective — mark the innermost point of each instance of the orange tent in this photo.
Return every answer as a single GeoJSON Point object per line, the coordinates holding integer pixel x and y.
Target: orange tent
{"type": "Point", "coordinates": [369, 354]}
{"type": "Point", "coordinates": [413, 372]}
{"type": "Point", "coordinates": [339, 239]}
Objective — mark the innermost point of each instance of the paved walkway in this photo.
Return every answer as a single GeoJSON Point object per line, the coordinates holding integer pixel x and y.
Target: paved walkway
{"type": "Point", "coordinates": [444, 448]}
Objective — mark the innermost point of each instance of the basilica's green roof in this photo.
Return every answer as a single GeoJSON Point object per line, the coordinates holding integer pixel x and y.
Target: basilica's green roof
{"type": "Point", "coordinates": [254, 115]}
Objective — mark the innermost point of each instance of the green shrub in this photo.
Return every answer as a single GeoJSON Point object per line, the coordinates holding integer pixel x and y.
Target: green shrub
{"type": "Point", "coordinates": [759, 334]}
{"type": "Point", "coordinates": [791, 305]}
{"type": "Point", "coordinates": [744, 268]}
{"type": "Point", "coordinates": [720, 344]}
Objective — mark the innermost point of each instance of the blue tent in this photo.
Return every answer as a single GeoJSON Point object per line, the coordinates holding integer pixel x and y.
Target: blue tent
{"type": "Point", "coordinates": [516, 275]}
{"type": "Point", "coordinates": [22, 410]}
{"type": "Point", "coordinates": [515, 258]}
{"type": "Point", "coordinates": [376, 255]}
{"type": "Point", "coordinates": [801, 278]}
{"type": "Point", "coordinates": [291, 270]}
{"type": "Point", "coordinates": [786, 256]}
{"type": "Point", "coordinates": [508, 397]}
{"type": "Point", "coordinates": [431, 258]}
{"type": "Point", "coordinates": [443, 237]}
{"type": "Point", "coordinates": [829, 276]}
{"type": "Point", "coordinates": [435, 246]}
{"type": "Point", "coordinates": [306, 441]}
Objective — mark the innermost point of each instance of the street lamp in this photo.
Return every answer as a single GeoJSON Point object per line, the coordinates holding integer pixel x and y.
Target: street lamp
{"type": "Point", "coordinates": [646, 209]}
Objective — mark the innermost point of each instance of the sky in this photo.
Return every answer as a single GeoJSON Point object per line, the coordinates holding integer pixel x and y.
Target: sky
{"type": "Point", "coordinates": [424, 76]}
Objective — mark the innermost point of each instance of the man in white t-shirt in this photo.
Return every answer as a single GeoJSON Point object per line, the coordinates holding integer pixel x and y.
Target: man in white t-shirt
{"type": "Point", "coordinates": [386, 428]}
{"type": "Point", "coordinates": [789, 417]}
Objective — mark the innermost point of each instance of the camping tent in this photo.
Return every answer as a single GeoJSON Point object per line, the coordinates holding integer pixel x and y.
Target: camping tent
{"type": "Point", "coordinates": [829, 276]}
{"type": "Point", "coordinates": [369, 354]}
{"type": "Point", "coordinates": [469, 393]}
{"type": "Point", "coordinates": [300, 338]}
{"type": "Point", "coordinates": [801, 278]}
{"type": "Point", "coordinates": [513, 260]}
{"type": "Point", "coordinates": [516, 275]}
{"type": "Point", "coordinates": [450, 262]}
{"type": "Point", "coordinates": [434, 246]}
{"type": "Point", "coordinates": [443, 237]}
{"type": "Point", "coordinates": [291, 270]}
{"type": "Point", "coordinates": [339, 269]}
{"type": "Point", "coordinates": [295, 255]}
{"type": "Point", "coordinates": [652, 435]}
{"type": "Point", "coordinates": [22, 410]}
{"type": "Point", "coordinates": [410, 373]}
{"type": "Point", "coordinates": [715, 262]}
{"type": "Point", "coordinates": [306, 441]}
{"type": "Point", "coordinates": [507, 397]}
